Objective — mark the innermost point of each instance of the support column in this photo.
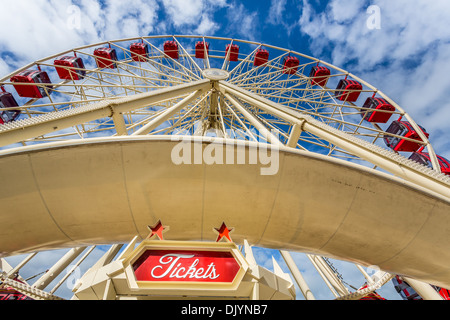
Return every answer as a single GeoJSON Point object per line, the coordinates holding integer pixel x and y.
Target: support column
{"type": "Point", "coordinates": [304, 288]}
{"type": "Point", "coordinates": [294, 136]}
{"type": "Point", "coordinates": [54, 271]}
{"type": "Point", "coordinates": [328, 274]}
{"type": "Point", "coordinates": [423, 289]}
{"type": "Point", "coordinates": [324, 278]}
{"type": "Point", "coordinates": [20, 265]}
{"type": "Point", "coordinates": [119, 124]}
{"type": "Point", "coordinates": [331, 276]}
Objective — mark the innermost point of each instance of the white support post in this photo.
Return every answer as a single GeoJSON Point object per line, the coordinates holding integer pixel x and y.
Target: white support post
{"type": "Point", "coordinates": [17, 268]}
{"type": "Point", "coordinates": [294, 136]}
{"type": "Point", "coordinates": [119, 123]}
{"type": "Point", "coordinates": [107, 257]}
{"type": "Point", "coordinates": [324, 278]}
{"type": "Point", "coordinates": [253, 120]}
{"type": "Point", "coordinates": [423, 289]}
{"type": "Point", "coordinates": [74, 267]}
{"type": "Point", "coordinates": [364, 273]}
{"type": "Point", "coordinates": [54, 271]}
{"type": "Point", "coordinates": [331, 276]}
{"type": "Point", "coordinates": [304, 288]}
{"type": "Point", "coordinates": [110, 291]}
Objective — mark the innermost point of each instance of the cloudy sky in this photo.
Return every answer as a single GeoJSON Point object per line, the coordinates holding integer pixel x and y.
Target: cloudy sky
{"type": "Point", "coordinates": [402, 47]}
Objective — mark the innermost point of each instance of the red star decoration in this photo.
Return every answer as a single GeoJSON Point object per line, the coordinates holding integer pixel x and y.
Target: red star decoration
{"type": "Point", "coordinates": [157, 230]}
{"type": "Point", "coordinates": [224, 232]}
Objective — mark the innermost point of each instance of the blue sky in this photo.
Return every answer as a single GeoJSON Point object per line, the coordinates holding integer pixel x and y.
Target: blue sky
{"type": "Point", "coordinates": [407, 56]}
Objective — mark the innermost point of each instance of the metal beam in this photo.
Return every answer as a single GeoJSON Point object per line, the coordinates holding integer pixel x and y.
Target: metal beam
{"type": "Point", "coordinates": [271, 138]}
{"type": "Point", "coordinates": [149, 127]}
{"type": "Point", "coordinates": [331, 276]}
{"type": "Point", "coordinates": [74, 267]}
{"type": "Point", "coordinates": [382, 158]}
{"type": "Point", "coordinates": [34, 127]}
{"type": "Point", "coordinates": [119, 124]}
{"type": "Point", "coordinates": [57, 268]}
{"type": "Point", "coordinates": [304, 288]}
{"type": "Point", "coordinates": [423, 289]}
{"type": "Point", "coordinates": [294, 136]}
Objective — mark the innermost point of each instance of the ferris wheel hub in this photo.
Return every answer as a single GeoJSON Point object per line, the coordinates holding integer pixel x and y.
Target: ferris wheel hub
{"type": "Point", "coordinates": [216, 74]}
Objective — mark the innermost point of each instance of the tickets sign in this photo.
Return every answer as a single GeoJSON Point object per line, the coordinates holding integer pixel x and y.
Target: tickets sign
{"type": "Point", "coordinates": [186, 266]}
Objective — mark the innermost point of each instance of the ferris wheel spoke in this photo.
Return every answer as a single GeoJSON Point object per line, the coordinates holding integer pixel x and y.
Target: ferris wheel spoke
{"type": "Point", "coordinates": [247, 61]}
{"type": "Point", "coordinates": [262, 71]}
{"type": "Point", "coordinates": [235, 123]}
{"type": "Point", "coordinates": [183, 118]}
{"type": "Point", "coordinates": [254, 77]}
{"type": "Point", "coordinates": [162, 67]}
{"type": "Point", "coordinates": [191, 61]}
{"type": "Point", "coordinates": [167, 114]}
{"type": "Point", "coordinates": [177, 68]}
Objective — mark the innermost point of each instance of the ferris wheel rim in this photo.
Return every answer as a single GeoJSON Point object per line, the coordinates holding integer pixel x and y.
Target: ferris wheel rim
{"type": "Point", "coordinates": [398, 109]}
{"type": "Point", "coordinates": [48, 146]}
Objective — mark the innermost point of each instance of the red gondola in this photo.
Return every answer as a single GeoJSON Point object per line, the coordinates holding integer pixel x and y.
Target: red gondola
{"type": "Point", "coordinates": [407, 293]}
{"type": "Point", "coordinates": [171, 49]}
{"type": "Point", "coordinates": [200, 49]}
{"type": "Point", "coordinates": [445, 293]}
{"type": "Point", "coordinates": [29, 91]}
{"type": "Point", "coordinates": [234, 52]}
{"type": "Point", "coordinates": [371, 113]}
{"type": "Point", "coordinates": [139, 51]}
{"type": "Point", "coordinates": [424, 158]}
{"type": "Point", "coordinates": [62, 64]}
{"type": "Point", "coordinates": [405, 290]}
{"type": "Point", "coordinates": [348, 90]}
{"type": "Point", "coordinates": [404, 129]}
{"type": "Point", "coordinates": [9, 294]}
{"type": "Point", "coordinates": [261, 57]}
{"type": "Point", "coordinates": [290, 65]}
{"type": "Point", "coordinates": [319, 76]}
{"type": "Point", "coordinates": [106, 58]}
{"type": "Point", "coordinates": [7, 101]}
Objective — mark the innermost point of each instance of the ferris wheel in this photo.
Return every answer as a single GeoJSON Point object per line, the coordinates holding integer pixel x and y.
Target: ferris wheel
{"type": "Point", "coordinates": [88, 139]}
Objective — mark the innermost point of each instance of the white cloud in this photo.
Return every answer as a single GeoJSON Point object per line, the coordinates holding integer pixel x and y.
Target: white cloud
{"type": "Point", "coordinates": [39, 28]}
{"type": "Point", "coordinates": [407, 58]}
{"type": "Point", "coordinates": [206, 26]}
{"type": "Point", "coordinates": [345, 10]}
{"type": "Point", "coordinates": [277, 8]}
{"type": "Point", "coordinates": [183, 12]}
{"type": "Point", "coordinates": [241, 22]}
{"type": "Point", "coordinates": [279, 13]}
{"type": "Point", "coordinates": [120, 19]}
{"type": "Point", "coordinates": [193, 16]}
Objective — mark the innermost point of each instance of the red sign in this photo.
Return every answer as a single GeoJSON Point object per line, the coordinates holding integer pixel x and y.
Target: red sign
{"type": "Point", "coordinates": [186, 266]}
